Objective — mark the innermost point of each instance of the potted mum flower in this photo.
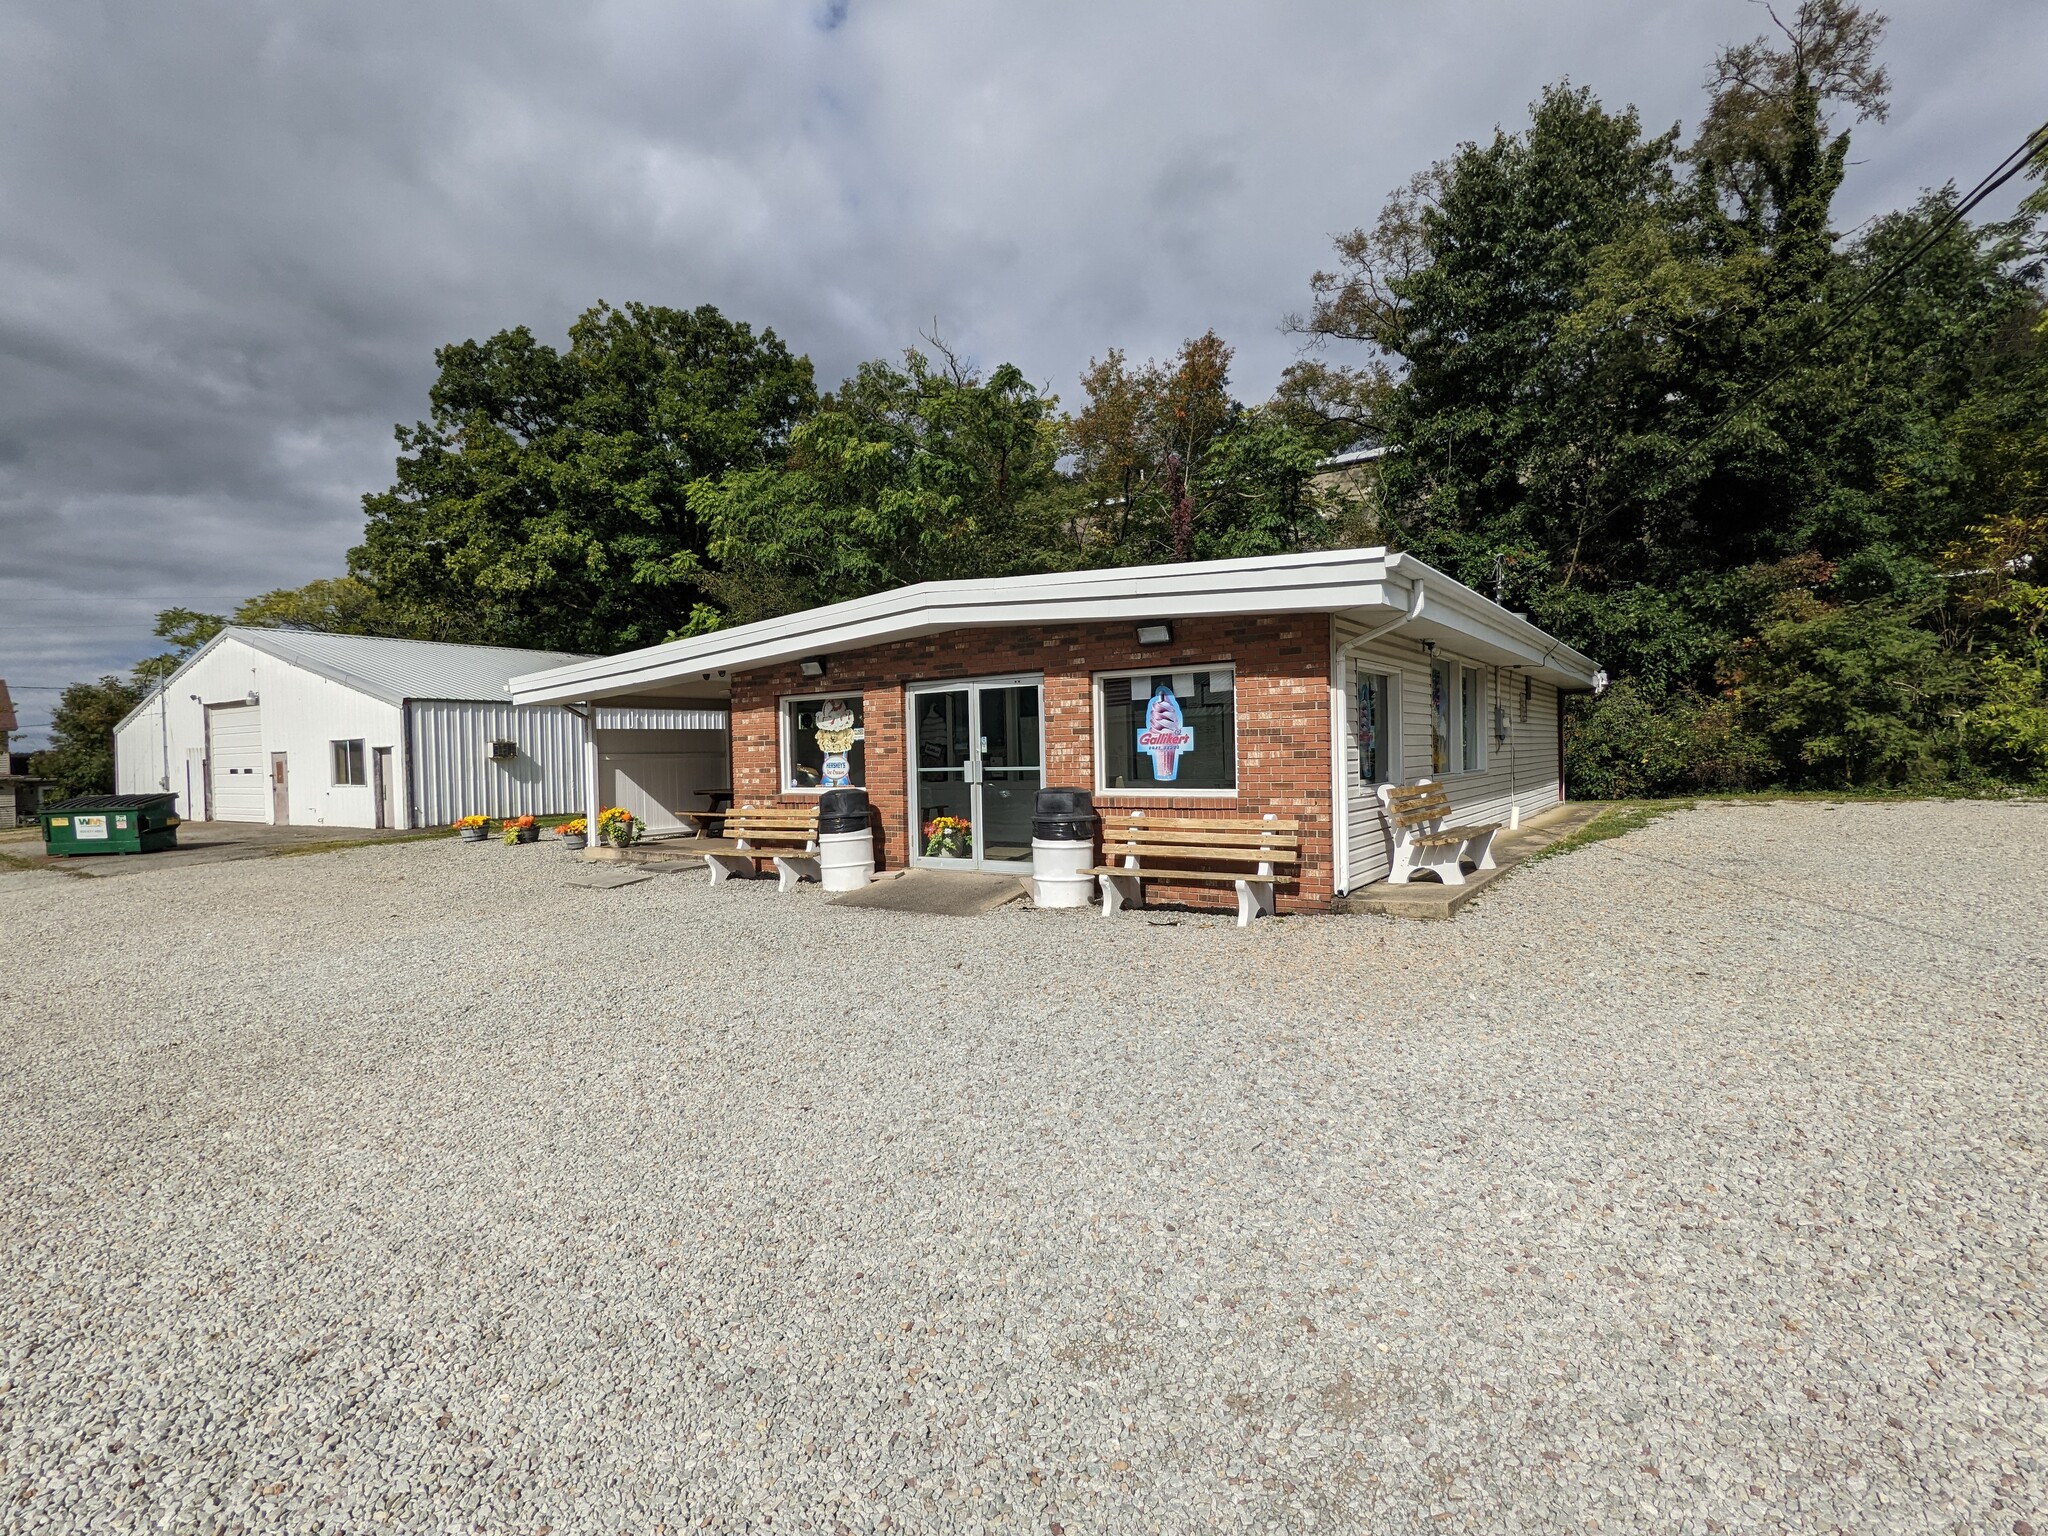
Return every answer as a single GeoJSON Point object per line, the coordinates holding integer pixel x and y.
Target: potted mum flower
{"type": "Point", "coordinates": [520, 829]}
{"type": "Point", "coordinates": [618, 826]}
{"type": "Point", "coordinates": [949, 837]}
{"type": "Point", "coordinates": [471, 828]}
{"type": "Point", "coordinates": [575, 835]}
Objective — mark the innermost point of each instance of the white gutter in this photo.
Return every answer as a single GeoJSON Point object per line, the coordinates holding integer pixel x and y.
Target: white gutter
{"type": "Point", "coordinates": [1414, 612]}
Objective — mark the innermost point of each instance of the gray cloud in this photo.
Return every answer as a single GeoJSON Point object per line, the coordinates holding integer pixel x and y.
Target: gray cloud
{"type": "Point", "coordinates": [232, 232]}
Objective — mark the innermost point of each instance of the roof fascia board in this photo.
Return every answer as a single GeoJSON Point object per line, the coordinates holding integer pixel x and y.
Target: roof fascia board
{"type": "Point", "coordinates": [149, 699]}
{"type": "Point", "coordinates": [558, 687]}
{"type": "Point", "coordinates": [1484, 619]}
{"type": "Point", "coordinates": [1345, 579]}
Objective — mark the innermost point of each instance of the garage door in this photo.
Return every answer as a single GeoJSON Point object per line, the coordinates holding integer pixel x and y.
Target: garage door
{"type": "Point", "coordinates": [240, 788]}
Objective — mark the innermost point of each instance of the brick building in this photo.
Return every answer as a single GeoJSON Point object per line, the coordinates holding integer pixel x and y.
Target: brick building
{"type": "Point", "coordinates": [1290, 685]}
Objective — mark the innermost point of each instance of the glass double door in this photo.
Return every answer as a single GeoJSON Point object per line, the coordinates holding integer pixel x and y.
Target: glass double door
{"type": "Point", "coordinates": [979, 755]}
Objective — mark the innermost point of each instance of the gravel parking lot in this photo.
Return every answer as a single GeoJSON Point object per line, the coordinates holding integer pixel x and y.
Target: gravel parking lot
{"type": "Point", "coordinates": [1691, 1182]}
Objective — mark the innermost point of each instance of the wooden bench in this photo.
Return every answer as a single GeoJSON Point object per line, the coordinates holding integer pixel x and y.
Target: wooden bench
{"type": "Point", "coordinates": [1253, 855]}
{"type": "Point", "coordinates": [1416, 813]}
{"type": "Point", "coordinates": [786, 834]}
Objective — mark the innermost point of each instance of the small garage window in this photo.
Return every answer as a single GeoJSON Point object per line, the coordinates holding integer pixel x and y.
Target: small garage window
{"type": "Point", "coordinates": [349, 765]}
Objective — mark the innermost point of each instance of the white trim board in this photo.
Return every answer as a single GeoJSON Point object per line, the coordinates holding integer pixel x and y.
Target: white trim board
{"type": "Point", "coordinates": [1368, 583]}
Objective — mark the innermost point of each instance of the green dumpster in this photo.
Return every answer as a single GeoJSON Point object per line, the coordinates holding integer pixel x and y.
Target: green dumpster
{"type": "Point", "coordinates": [110, 824]}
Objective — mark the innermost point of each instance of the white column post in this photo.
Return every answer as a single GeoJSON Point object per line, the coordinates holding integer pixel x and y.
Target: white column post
{"type": "Point", "coordinates": [591, 797]}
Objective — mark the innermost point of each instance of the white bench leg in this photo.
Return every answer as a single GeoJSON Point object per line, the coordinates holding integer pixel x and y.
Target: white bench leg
{"type": "Point", "coordinates": [1444, 860]}
{"type": "Point", "coordinates": [1255, 899]}
{"type": "Point", "coordinates": [725, 865]}
{"type": "Point", "coordinates": [794, 867]}
{"type": "Point", "coordinates": [1120, 891]}
{"type": "Point", "coordinates": [1481, 849]}
{"type": "Point", "coordinates": [1403, 869]}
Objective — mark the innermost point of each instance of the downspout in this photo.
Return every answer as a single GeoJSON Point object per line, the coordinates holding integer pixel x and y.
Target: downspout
{"type": "Point", "coordinates": [1340, 788]}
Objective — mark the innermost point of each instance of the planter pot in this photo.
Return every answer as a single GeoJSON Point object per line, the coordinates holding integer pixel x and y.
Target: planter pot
{"type": "Point", "coordinates": [576, 843]}
{"type": "Point", "coordinates": [529, 835]}
{"type": "Point", "coordinates": [622, 841]}
{"type": "Point", "coordinates": [471, 834]}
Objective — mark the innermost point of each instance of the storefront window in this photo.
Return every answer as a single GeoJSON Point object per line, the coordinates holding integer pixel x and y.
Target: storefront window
{"type": "Point", "coordinates": [1468, 719]}
{"type": "Point", "coordinates": [1173, 731]}
{"type": "Point", "coordinates": [1456, 740]}
{"type": "Point", "coordinates": [824, 742]}
{"type": "Point", "coordinates": [1440, 674]}
{"type": "Point", "coordinates": [1375, 739]}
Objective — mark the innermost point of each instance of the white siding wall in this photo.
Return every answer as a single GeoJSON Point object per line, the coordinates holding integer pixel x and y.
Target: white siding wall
{"type": "Point", "coordinates": [657, 774]}
{"type": "Point", "coordinates": [455, 775]}
{"type": "Point", "coordinates": [303, 714]}
{"type": "Point", "coordinates": [1522, 771]}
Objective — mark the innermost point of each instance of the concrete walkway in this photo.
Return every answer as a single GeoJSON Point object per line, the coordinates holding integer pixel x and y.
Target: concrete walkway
{"type": "Point", "coordinates": [199, 842]}
{"type": "Point", "coordinates": [1431, 899]}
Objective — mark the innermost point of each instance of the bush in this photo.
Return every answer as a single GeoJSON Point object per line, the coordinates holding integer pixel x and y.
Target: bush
{"type": "Point", "coordinates": [2005, 735]}
{"type": "Point", "coordinates": [1849, 695]}
{"type": "Point", "coordinates": [1635, 741]}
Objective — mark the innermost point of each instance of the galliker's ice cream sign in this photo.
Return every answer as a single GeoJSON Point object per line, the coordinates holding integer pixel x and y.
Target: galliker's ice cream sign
{"type": "Point", "coordinates": [1165, 735]}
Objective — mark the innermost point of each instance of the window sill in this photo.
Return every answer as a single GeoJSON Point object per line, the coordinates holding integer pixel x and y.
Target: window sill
{"type": "Point", "coordinates": [1167, 794]}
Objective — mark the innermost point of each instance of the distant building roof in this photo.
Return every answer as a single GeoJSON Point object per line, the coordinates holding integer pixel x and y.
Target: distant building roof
{"type": "Point", "coordinates": [1351, 456]}
{"type": "Point", "coordinates": [392, 670]}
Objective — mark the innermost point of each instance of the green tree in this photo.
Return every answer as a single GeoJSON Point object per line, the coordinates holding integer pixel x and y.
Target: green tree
{"type": "Point", "coordinates": [546, 501]}
{"type": "Point", "coordinates": [1651, 388]}
{"type": "Point", "coordinates": [336, 605]}
{"type": "Point", "coordinates": [80, 757]}
{"type": "Point", "coordinates": [186, 630]}
{"type": "Point", "coordinates": [1168, 466]}
{"type": "Point", "coordinates": [917, 473]}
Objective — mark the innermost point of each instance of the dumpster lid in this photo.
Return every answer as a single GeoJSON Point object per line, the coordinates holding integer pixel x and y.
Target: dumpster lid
{"type": "Point", "coordinates": [111, 802]}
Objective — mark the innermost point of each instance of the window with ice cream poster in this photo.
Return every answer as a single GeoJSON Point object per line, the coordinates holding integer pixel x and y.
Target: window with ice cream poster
{"type": "Point", "coordinates": [1165, 735]}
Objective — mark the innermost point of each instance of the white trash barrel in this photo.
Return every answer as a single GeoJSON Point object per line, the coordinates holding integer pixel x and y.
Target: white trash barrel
{"type": "Point", "coordinates": [1063, 827]}
{"type": "Point", "coordinates": [846, 860]}
{"type": "Point", "coordinates": [1059, 872]}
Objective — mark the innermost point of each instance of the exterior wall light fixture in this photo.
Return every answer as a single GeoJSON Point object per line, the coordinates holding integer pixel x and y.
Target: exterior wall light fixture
{"type": "Point", "coordinates": [1155, 634]}
{"type": "Point", "coordinates": [812, 666]}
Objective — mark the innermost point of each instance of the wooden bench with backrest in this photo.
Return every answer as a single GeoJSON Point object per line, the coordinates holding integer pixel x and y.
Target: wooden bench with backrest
{"type": "Point", "coordinates": [785, 833]}
{"type": "Point", "coordinates": [1253, 855]}
{"type": "Point", "coordinates": [1416, 814]}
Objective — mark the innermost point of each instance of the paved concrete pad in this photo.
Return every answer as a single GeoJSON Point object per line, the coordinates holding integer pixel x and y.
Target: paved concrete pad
{"type": "Point", "coordinates": [939, 893]}
{"type": "Point", "coordinates": [202, 842]}
{"type": "Point", "coordinates": [1432, 899]}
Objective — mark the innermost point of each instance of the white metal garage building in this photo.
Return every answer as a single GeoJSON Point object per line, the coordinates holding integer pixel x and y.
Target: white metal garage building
{"type": "Point", "coordinates": [284, 726]}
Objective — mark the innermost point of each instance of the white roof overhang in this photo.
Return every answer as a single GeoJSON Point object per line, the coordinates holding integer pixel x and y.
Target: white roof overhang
{"type": "Point", "coordinates": [1369, 581]}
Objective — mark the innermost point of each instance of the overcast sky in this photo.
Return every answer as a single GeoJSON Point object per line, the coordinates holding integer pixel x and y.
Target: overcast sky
{"type": "Point", "coordinates": [233, 232]}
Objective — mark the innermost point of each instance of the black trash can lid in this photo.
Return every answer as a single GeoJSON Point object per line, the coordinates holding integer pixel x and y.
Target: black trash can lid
{"type": "Point", "coordinates": [1065, 802]}
{"type": "Point", "coordinates": [847, 800]}
{"type": "Point", "coordinates": [111, 802]}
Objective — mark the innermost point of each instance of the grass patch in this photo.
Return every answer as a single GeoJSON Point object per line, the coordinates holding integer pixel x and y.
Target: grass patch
{"type": "Point", "coordinates": [1616, 820]}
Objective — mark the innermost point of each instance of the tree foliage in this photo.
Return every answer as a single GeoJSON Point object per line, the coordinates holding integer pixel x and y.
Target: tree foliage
{"type": "Point", "coordinates": [80, 757]}
{"type": "Point", "coordinates": [1650, 382]}
{"type": "Point", "coordinates": [546, 501]}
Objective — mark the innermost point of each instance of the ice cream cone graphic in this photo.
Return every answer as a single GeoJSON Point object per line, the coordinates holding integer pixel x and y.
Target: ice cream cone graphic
{"type": "Point", "coordinates": [1165, 735]}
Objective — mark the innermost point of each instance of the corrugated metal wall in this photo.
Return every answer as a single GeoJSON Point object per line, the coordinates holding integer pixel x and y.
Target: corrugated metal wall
{"type": "Point", "coordinates": [454, 774]}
